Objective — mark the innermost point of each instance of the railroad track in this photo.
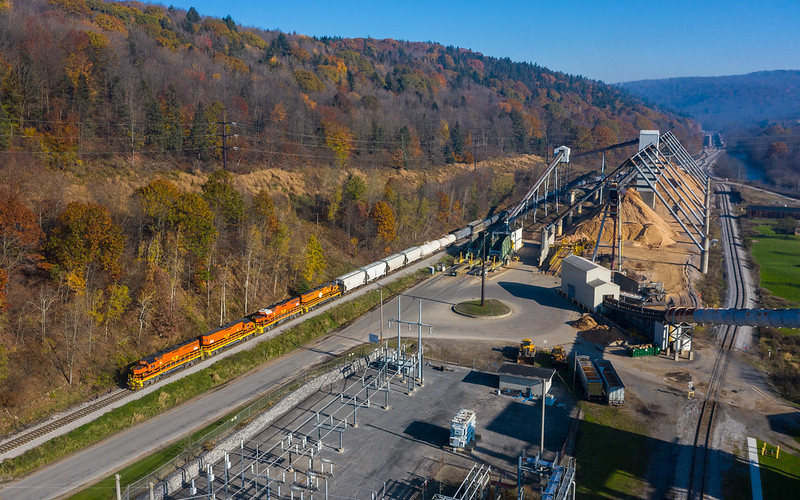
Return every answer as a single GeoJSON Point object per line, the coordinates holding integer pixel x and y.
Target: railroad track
{"type": "Point", "coordinates": [61, 422]}
{"type": "Point", "coordinates": [737, 297]}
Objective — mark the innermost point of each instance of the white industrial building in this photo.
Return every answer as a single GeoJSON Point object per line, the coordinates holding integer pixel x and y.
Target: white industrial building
{"type": "Point", "coordinates": [586, 282]}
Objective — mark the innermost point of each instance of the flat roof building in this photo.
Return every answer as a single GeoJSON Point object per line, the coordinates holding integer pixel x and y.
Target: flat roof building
{"type": "Point", "coordinates": [526, 379]}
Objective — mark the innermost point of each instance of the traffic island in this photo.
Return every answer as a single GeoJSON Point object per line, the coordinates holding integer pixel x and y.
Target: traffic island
{"type": "Point", "coordinates": [491, 308]}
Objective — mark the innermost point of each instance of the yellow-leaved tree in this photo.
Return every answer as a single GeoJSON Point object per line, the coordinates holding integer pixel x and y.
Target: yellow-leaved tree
{"type": "Point", "coordinates": [315, 261]}
{"type": "Point", "coordinates": [339, 140]}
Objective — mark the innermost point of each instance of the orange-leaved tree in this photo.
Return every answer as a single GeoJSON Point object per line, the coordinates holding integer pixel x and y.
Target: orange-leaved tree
{"type": "Point", "coordinates": [385, 225]}
{"type": "Point", "coordinates": [20, 233]}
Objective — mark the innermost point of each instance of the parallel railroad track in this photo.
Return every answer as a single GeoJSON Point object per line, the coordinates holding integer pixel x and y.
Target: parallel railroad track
{"type": "Point", "coordinates": [61, 422]}
{"type": "Point", "coordinates": [737, 297]}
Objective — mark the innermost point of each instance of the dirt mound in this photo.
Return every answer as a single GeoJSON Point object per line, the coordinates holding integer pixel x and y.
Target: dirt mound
{"type": "Point", "coordinates": [640, 224]}
{"type": "Point", "coordinates": [601, 334]}
{"type": "Point", "coordinates": [585, 323]}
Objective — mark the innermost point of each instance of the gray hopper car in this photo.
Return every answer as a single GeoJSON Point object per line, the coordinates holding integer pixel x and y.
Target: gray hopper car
{"type": "Point", "coordinates": [591, 381]}
{"type": "Point", "coordinates": [612, 385]}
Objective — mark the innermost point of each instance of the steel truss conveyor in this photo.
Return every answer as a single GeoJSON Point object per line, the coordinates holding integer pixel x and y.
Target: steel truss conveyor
{"type": "Point", "coordinates": [774, 318]}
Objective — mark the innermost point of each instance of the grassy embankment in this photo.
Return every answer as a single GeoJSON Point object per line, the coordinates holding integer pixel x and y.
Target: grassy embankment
{"type": "Point", "coordinates": [778, 260]}
{"type": "Point", "coordinates": [190, 386]}
{"type": "Point", "coordinates": [779, 476]}
{"type": "Point", "coordinates": [611, 453]}
{"type": "Point", "coordinates": [610, 448]}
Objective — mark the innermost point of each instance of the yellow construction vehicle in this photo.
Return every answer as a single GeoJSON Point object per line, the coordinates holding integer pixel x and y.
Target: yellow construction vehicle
{"type": "Point", "coordinates": [527, 351]}
{"type": "Point", "coordinates": [557, 356]}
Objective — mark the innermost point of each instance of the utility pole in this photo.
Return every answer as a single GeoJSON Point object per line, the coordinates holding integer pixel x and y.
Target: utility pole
{"type": "Point", "coordinates": [544, 396]}
{"type": "Point", "coordinates": [574, 371]}
{"type": "Point", "coordinates": [483, 267]}
{"type": "Point", "coordinates": [419, 345]}
{"type": "Point", "coordinates": [418, 324]}
{"type": "Point", "coordinates": [474, 157]}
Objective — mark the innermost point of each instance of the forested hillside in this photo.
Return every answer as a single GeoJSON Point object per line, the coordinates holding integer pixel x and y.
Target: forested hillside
{"type": "Point", "coordinates": [726, 101]}
{"type": "Point", "coordinates": [120, 232]}
{"type": "Point", "coordinates": [772, 147]}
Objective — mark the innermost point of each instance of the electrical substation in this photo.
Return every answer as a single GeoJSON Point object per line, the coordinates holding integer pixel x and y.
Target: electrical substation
{"type": "Point", "coordinates": [377, 433]}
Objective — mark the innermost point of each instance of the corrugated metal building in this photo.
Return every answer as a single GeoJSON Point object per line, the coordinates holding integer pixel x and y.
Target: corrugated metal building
{"type": "Point", "coordinates": [586, 282]}
{"type": "Point", "coordinates": [524, 378]}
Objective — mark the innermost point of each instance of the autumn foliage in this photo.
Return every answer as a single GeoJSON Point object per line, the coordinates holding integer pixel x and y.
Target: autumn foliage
{"type": "Point", "coordinates": [121, 233]}
{"type": "Point", "coordinates": [84, 240]}
{"type": "Point", "coordinates": [384, 221]}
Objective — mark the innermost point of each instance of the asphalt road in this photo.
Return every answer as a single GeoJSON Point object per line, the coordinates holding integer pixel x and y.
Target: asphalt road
{"type": "Point", "coordinates": [537, 313]}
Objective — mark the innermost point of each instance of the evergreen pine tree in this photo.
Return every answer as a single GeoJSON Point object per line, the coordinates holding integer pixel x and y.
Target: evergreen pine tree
{"type": "Point", "coordinates": [199, 141]}
{"type": "Point", "coordinates": [173, 127]}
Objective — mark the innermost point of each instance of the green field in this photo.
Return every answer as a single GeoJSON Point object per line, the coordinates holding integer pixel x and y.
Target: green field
{"type": "Point", "coordinates": [778, 257]}
{"type": "Point", "coordinates": [611, 453]}
{"type": "Point", "coordinates": [780, 476]}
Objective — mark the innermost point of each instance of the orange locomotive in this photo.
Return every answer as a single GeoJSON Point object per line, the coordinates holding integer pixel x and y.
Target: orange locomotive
{"type": "Point", "coordinates": [278, 312]}
{"type": "Point", "coordinates": [319, 295]}
{"type": "Point", "coordinates": [150, 368]}
{"type": "Point", "coordinates": [226, 335]}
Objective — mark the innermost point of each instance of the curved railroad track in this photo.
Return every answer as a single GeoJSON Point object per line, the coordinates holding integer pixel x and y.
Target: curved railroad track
{"type": "Point", "coordinates": [736, 298]}
{"type": "Point", "coordinates": [29, 436]}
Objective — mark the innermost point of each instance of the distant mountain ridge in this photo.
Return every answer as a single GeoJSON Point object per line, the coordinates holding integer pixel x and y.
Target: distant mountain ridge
{"type": "Point", "coordinates": [726, 101]}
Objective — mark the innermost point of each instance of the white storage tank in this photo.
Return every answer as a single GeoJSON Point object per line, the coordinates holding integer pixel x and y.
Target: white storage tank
{"type": "Point", "coordinates": [352, 280]}
{"type": "Point", "coordinates": [394, 262]}
{"type": "Point", "coordinates": [412, 254]}
{"type": "Point", "coordinates": [375, 270]}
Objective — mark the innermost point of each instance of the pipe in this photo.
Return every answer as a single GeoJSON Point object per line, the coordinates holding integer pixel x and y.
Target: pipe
{"type": "Point", "coordinates": [775, 318]}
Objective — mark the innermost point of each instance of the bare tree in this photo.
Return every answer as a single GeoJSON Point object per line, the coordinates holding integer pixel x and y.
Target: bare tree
{"type": "Point", "coordinates": [146, 298]}
{"type": "Point", "coordinates": [44, 301]}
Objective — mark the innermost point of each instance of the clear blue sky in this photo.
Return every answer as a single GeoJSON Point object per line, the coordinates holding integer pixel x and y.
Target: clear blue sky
{"type": "Point", "coordinates": [609, 40]}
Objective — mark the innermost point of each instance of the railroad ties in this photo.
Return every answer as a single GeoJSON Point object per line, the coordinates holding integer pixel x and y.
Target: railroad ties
{"type": "Point", "coordinates": [61, 422]}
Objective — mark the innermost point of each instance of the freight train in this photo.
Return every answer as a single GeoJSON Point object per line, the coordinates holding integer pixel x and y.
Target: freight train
{"type": "Point", "coordinates": [155, 366]}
